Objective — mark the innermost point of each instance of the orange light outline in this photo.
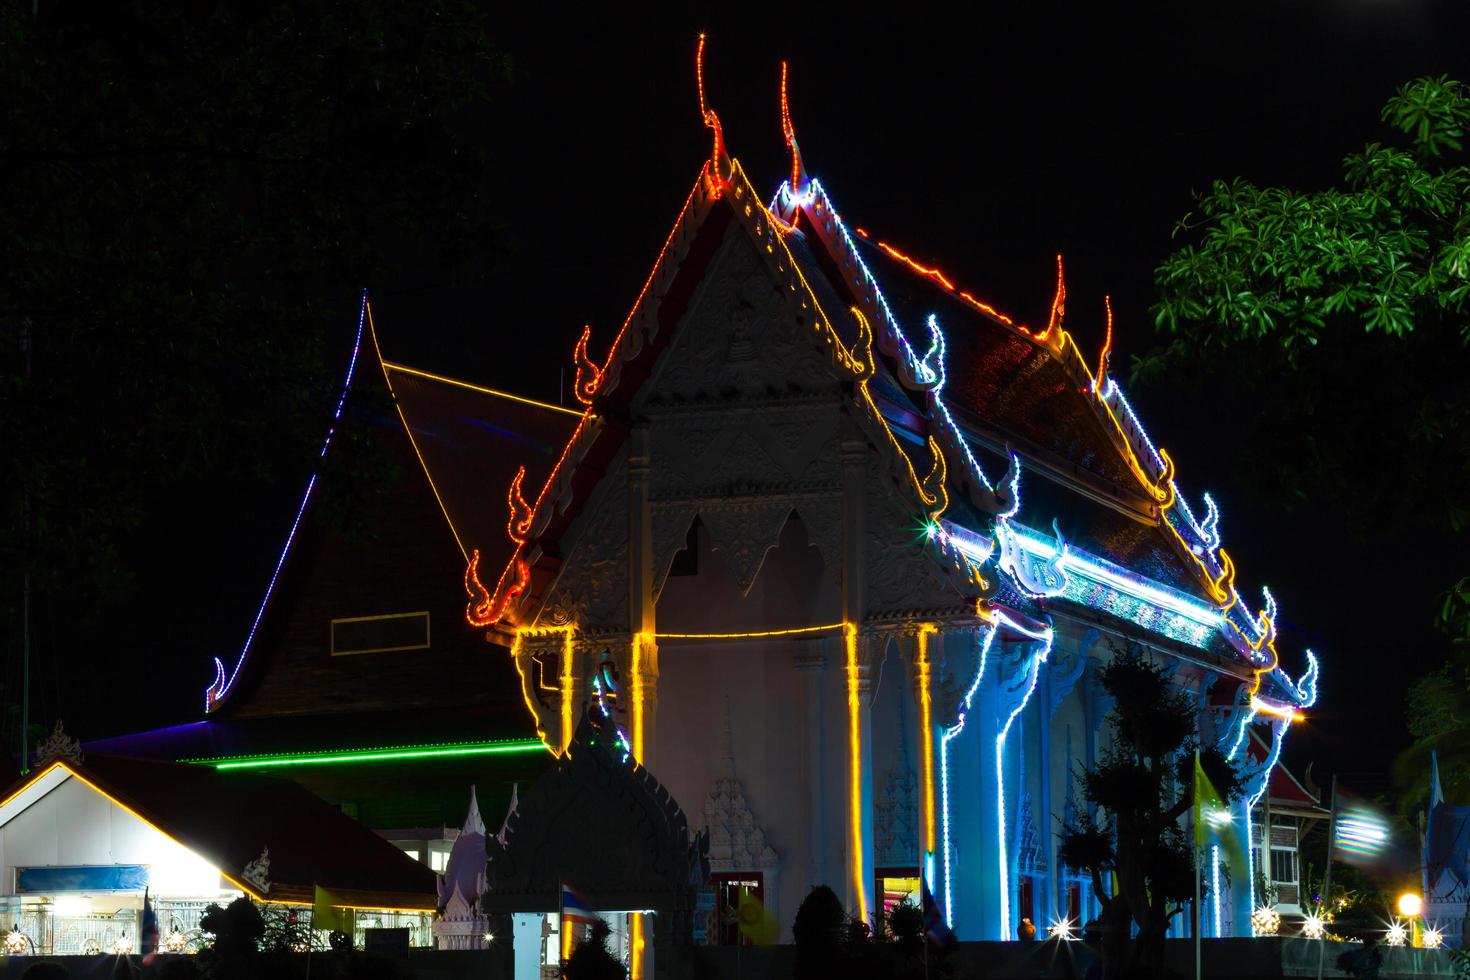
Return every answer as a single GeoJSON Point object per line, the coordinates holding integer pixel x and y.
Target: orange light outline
{"type": "Point", "coordinates": [588, 376]}
{"type": "Point", "coordinates": [1160, 488]}
{"type": "Point", "coordinates": [587, 414]}
{"type": "Point", "coordinates": [242, 886]}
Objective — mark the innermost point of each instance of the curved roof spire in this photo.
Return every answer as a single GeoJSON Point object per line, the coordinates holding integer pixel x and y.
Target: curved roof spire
{"type": "Point", "coordinates": [712, 176]}
{"type": "Point", "coordinates": [796, 185]}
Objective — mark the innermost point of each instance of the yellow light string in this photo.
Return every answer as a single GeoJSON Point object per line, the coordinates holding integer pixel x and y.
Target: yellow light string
{"type": "Point", "coordinates": [756, 634]}
{"type": "Point", "coordinates": [926, 739]}
{"type": "Point", "coordinates": [394, 366]}
{"type": "Point", "coordinates": [567, 633]}
{"type": "Point", "coordinates": [855, 776]}
{"type": "Point", "coordinates": [398, 406]}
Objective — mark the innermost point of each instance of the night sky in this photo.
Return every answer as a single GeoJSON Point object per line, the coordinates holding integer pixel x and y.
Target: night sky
{"type": "Point", "coordinates": [983, 143]}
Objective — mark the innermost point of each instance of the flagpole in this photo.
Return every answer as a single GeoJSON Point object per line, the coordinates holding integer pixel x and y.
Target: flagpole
{"type": "Point", "coordinates": [1327, 875]}
{"type": "Point", "coordinates": [1199, 919]}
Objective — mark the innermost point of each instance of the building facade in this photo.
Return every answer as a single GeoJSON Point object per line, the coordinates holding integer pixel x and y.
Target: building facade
{"type": "Point", "coordinates": [855, 545]}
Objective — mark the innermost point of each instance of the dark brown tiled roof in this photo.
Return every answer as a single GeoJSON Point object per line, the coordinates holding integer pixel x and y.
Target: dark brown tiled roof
{"type": "Point", "coordinates": [471, 441]}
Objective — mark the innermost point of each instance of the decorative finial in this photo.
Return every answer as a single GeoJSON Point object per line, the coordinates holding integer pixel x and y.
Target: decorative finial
{"type": "Point", "coordinates": [58, 747]}
{"type": "Point", "coordinates": [1058, 303]}
{"type": "Point", "coordinates": [258, 872]}
{"type": "Point", "coordinates": [1107, 349]}
{"type": "Point", "coordinates": [519, 524]}
{"type": "Point", "coordinates": [797, 183]}
{"type": "Point", "coordinates": [712, 177]}
{"type": "Point", "coordinates": [589, 375]}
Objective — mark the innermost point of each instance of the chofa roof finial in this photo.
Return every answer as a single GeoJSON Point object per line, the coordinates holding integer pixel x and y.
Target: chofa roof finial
{"type": "Point", "coordinates": [713, 180]}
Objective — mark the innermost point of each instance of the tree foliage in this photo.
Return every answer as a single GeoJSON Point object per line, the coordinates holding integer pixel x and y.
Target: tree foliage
{"type": "Point", "coordinates": [1348, 299]}
{"type": "Point", "coordinates": [1140, 790]}
{"type": "Point", "coordinates": [1349, 309]}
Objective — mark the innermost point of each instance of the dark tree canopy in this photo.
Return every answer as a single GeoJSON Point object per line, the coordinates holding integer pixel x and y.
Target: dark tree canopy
{"type": "Point", "coordinates": [193, 200]}
{"type": "Point", "coordinates": [1141, 789]}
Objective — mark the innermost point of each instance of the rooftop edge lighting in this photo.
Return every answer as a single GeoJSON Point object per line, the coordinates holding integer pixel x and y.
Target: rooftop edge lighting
{"type": "Point", "coordinates": [373, 755]}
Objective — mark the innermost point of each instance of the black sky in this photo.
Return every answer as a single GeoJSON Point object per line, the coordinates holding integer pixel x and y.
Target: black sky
{"type": "Point", "coordinates": [984, 142]}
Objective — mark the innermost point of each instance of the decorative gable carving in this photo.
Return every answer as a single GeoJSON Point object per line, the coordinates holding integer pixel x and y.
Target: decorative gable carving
{"type": "Point", "coordinates": [895, 839]}
{"type": "Point", "coordinates": [593, 582]}
{"type": "Point", "coordinates": [739, 340]}
{"type": "Point", "coordinates": [903, 577]}
{"type": "Point", "coordinates": [736, 841]}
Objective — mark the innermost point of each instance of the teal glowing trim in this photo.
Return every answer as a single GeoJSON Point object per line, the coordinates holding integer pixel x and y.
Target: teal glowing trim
{"type": "Point", "coordinates": [1099, 584]}
{"type": "Point", "coordinates": [373, 755]}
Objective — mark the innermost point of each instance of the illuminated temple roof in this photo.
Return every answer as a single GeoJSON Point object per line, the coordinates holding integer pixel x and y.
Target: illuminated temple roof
{"type": "Point", "coordinates": [1035, 472]}
{"type": "Point", "coordinates": [1042, 454]}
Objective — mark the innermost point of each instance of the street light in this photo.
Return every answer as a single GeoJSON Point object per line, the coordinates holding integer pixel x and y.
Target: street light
{"type": "Point", "coordinates": [1410, 905]}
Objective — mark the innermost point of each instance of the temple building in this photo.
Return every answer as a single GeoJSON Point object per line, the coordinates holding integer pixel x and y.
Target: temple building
{"type": "Point", "coordinates": [814, 588]}
{"type": "Point", "coordinates": [1446, 863]}
{"type": "Point", "coordinates": [849, 546]}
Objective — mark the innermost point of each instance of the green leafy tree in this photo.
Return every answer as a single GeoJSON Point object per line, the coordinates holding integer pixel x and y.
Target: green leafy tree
{"type": "Point", "coordinates": [1346, 310]}
{"type": "Point", "coordinates": [1142, 789]}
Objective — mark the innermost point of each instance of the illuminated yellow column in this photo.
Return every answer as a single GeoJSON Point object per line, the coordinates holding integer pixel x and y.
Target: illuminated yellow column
{"type": "Point", "coordinates": [643, 652]}
{"type": "Point", "coordinates": [857, 660]}
{"type": "Point", "coordinates": [926, 634]}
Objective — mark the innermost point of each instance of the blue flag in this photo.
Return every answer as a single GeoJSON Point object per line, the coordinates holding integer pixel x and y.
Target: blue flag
{"type": "Point", "coordinates": [149, 944]}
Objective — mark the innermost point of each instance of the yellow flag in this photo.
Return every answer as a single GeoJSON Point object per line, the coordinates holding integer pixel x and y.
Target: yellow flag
{"type": "Point", "coordinates": [326, 913]}
{"type": "Point", "coordinates": [1212, 819]}
{"type": "Point", "coordinates": [756, 923]}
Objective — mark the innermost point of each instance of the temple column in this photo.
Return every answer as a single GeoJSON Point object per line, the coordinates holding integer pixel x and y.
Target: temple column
{"type": "Point", "coordinates": [965, 705]}
{"type": "Point", "coordinates": [641, 622]}
{"type": "Point", "coordinates": [857, 656]}
{"type": "Point", "coordinates": [924, 648]}
{"type": "Point", "coordinates": [863, 654]}
{"type": "Point", "coordinates": [1009, 687]}
{"type": "Point", "coordinates": [1060, 676]}
{"type": "Point", "coordinates": [643, 669]}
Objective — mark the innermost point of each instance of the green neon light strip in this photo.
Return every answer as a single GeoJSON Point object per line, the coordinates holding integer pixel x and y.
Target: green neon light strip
{"type": "Point", "coordinates": [373, 755]}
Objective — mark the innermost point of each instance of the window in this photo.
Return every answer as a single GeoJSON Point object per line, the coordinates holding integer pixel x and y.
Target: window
{"type": "Point", "coordinates": [727, 901]}
{"type": "Point", "coordinates": [380, 634]}
{"type": "Point", "coordinates": [439, 854]}
{"type": "Point", "coordinates": [1283, 864]}
{"type": "Point", "coordinates": [1074, 904]}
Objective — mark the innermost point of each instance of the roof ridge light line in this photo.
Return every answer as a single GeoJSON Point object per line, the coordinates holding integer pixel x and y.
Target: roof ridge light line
{"type": "Point", "coordinates": [794, 631]}
{"type": "Point", "coordinates": [470, 386]}
{"type": "Point", "coordinates": [221, 687]}
{"type": "Point", "coordinates": [374, 755]}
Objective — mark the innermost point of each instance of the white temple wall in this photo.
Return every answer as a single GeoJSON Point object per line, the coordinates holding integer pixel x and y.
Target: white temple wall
{"type": "Point", "coordinates": [786, 703]}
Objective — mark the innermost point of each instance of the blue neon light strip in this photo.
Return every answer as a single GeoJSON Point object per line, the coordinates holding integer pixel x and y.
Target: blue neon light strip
{"type": "Point", "coordinates": [1101, 585]}
{"type": "Point", "coordinates": [221, 686]}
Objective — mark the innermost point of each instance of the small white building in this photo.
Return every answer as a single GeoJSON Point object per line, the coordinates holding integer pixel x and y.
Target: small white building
{"type": "Point", "coordinates": [80, 843]}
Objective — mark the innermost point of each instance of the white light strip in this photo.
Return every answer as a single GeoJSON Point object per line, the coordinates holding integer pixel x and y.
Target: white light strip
{"type": "Point", "coordinates": [1078, 563]}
